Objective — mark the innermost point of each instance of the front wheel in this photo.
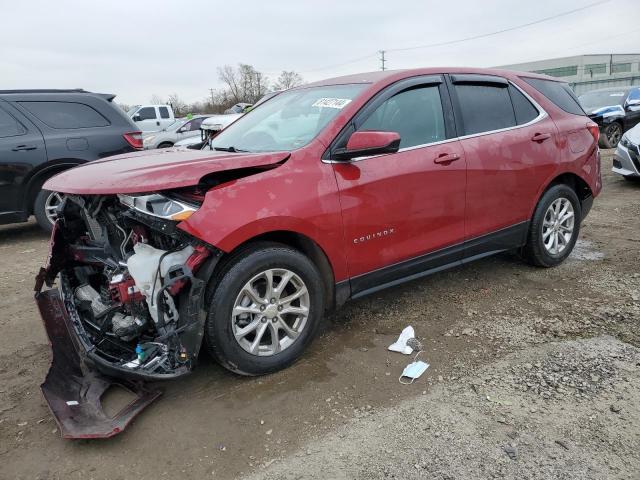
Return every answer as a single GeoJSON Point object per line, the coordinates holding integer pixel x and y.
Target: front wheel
{"type": "Point", "coordinates": [554, 228]}
{"type": "Point", "coordinates": [612, 134]}
{"type": "Point", "coordinates": [45, 208]}
{"type": "Point", "coordinates": [266, 308]}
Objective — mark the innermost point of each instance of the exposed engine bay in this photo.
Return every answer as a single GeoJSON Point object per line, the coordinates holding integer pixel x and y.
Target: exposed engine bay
{"type": "Point", "coordinates": [129, 282]}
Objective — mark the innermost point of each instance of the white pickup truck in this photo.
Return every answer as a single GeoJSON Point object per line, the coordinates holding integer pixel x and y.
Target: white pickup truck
{"type": "Point", "coordinates": [151, 118]}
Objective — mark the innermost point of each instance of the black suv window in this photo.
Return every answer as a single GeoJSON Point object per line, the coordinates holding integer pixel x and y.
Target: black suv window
{"type": "Point", "coordinates": [66, 114]}
{"type": "Point", "coordinates": [485, 107]}
{"type": "Point", "coordinates": [416, 114]}
{"type": "Point", "coordinates": [164, 112]}
{"type": "Point", "coordinates": [147, 113]}
{"type": "Point", "coordinates": [524, 109]}
{"type": "Point", "coordinates": [559, 93]}
{"type": "Point", "coordinates": [9, 126]}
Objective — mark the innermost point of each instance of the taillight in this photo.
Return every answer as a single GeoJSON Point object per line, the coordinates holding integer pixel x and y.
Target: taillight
{"type": "Point", "coordinates": [134, 139]}
{"type": "Point", "coordinates": [594, 130]}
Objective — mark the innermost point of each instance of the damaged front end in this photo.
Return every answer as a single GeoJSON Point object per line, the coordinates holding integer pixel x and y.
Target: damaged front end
{"type": "Point", "coordinates": [128, 304]}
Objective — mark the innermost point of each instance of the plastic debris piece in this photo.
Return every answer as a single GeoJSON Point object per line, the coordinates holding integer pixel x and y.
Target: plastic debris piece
{"type": "Point", "coordinates": [400, 345]}
{"type": "Point", "coordinates": [413, 371]}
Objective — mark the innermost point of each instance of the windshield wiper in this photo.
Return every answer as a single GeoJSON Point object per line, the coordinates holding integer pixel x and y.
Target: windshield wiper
{"type": "Point", "coordinates": [231, 149]}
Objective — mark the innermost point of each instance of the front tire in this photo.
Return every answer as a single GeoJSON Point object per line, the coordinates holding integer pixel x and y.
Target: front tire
{"type": "Point", "coordinates": [44, 208]}
{"type": "Point", "coordinates": [266, 308]}
{"type": "Point", "coordinates": [554, 228]}
{"type": "Point", "coordinates": [611, 135]}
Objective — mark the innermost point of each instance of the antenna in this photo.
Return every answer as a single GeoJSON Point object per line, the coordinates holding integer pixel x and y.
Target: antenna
{"type": "Point", "coordinates": [382, 60]}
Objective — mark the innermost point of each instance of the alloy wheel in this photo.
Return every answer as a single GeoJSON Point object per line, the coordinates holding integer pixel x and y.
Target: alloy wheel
{"type": "Point", "coordinates": [270, 312]}
{"type": "Point", "coordinates": [558, 226]}
{"type": "Point", "coordinates": [614, 133]}
{"type": "Point", "coordinates": [51, 204]}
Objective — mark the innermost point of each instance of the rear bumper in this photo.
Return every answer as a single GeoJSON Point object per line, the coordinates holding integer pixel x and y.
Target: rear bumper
{"type": "Point", "coordinates": [73, 387]}
{"type": "Point", "coordinates": [626, 161]}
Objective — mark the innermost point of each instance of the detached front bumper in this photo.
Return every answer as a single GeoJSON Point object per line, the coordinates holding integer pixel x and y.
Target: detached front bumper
{"type": "Point", "coordinates": [73, 387]}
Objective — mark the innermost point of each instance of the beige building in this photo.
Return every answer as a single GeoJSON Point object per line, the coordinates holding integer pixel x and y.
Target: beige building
{"type": "Point", "coordinates": [588, 72]}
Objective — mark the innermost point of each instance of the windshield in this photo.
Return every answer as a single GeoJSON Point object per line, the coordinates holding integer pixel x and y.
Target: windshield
{"type": "Point", "coordinates": [288, 121]}
{"type": "Point", "coordinates": [176, 125]}
{"type": "Point", "coordinates": [593, 100]}
{"type": "Point", "coordinates": [133, 110]}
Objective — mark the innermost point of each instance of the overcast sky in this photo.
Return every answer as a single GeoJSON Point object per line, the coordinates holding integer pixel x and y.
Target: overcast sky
{"type": "Point", "coordinates": [137, 49]}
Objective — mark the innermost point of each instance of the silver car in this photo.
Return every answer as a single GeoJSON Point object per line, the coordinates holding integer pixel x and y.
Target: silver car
{"type": "Point", "coordinates": [179, 130]}
{"type": "Point", "coordinates": [626, 160]}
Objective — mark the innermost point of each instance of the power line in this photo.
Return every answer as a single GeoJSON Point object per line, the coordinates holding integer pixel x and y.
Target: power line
{"type": "Point", "coordinates": [452, 42]}
{"type": "Point", "coordinates": [498, 32]}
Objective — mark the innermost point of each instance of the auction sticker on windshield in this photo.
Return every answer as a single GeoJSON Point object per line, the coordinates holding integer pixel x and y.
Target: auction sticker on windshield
{"type": "Point", "coordinates": [332, 102]}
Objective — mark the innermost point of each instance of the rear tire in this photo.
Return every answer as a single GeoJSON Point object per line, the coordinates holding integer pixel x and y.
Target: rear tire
{"type": "Point", "coordinates": [242, 286]}
{"type": "Point", "coordinates": [632, 178]}
{"type": "Point", "coordinates": [43, 206]}
{"type": "Point", "coordinates": [546, 225]}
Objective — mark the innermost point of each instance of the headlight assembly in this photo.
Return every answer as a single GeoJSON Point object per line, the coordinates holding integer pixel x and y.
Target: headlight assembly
{"type": "Point", "coordinates": [159, 205]}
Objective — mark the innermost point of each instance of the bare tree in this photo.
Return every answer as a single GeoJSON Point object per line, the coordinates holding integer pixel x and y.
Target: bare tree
{"type": "Point", "coordinates": [287, 80]}
{"type": "Point", "coordinates": [179, 107]}
{"type": "Point", "coordinates": [156, 100]}
{"type": "Point", "coordinates": [244, 83]}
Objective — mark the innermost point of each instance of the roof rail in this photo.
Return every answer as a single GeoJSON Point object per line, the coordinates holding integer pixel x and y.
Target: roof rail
{"type": "Point", "coordinates": [107, 96]}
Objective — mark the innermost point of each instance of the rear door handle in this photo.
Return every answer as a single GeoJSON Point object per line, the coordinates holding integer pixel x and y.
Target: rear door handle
{"type": "Point", "coordinates": [540, 137]}
{"type": "Point", "coordinates": [21, 148]}
{"type": "Point", "coordinates": [446, 158]}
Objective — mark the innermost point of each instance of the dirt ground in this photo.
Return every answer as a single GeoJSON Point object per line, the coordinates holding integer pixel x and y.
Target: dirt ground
{"type": "Point", "coordinates": [534, 374]}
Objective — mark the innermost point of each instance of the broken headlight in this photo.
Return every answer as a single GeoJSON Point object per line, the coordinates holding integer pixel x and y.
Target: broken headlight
{"type": "Point", "coordinates": [159, 205]}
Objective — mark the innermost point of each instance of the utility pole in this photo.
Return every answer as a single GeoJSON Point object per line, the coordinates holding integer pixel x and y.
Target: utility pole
{"type": "Point", "coordinates": [211, 91]}
{"type": "Point", "coordinates": [382, 60]}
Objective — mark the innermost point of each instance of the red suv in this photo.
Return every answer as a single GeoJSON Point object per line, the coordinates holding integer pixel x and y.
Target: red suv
{"type": "Point", "coordinates": [326, 192]}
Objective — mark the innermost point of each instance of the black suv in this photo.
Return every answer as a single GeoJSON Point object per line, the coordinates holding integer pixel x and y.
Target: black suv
{"type": "Point", "coordinates": [43, 132]}
{"type": "Point", "coordinates": [615, 110]}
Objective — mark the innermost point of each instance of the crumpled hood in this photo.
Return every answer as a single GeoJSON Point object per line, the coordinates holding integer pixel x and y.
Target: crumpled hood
{"type": "Point", "coordinates": [153, 170]}
{"type": "Point", "coordinates": [608, 111]}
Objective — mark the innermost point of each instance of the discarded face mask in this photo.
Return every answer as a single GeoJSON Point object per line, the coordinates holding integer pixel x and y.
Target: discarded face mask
{"type": "Point", "coordinates": [400, 345]}
{"type": "Point", "coordinates": [413, 371]}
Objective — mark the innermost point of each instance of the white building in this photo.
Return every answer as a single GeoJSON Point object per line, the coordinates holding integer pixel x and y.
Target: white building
{"type": "Point", "coordinates": [588, 72]}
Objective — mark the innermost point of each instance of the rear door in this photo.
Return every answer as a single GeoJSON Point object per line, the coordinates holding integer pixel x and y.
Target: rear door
{"type": "Point", "coordinates": [510, 146]}
{"type": "Point", "coordinates": [398, 209]}
{"type": "Point", "coordinates": [21, 149]}
{"type": "Point", "coordinates": [164, 117]}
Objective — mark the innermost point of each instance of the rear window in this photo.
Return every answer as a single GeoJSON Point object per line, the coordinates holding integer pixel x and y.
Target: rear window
{"type": "Point", "coordinates": [485, 108]}
{"type": "Point", "coordinates": [164, 112]}
{"type": "Point", "coordinates": [559, 93]}
{"type": "Point", "coordinates": [523, 108]}
{"type": "Point", "coordinates": [9, 126]}
{"type": "Point", "coordinates": [66, 114]}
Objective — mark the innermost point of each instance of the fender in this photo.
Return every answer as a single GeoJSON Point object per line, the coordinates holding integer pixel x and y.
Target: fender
{"type": "Point", "coordinates": [42, 172]}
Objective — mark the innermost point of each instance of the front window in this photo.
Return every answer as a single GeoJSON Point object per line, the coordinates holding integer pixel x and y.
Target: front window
{"type": "Point", "coordinates": [288, 121]}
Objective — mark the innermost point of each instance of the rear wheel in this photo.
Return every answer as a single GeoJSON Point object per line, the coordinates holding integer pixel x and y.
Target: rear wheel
{"type": "Point", "coordinates": [266, 308]}
{"type": "Point", "coordinates": [44, 208]}
{"type": "Point", "coordinates": [165, 145]}
{"type": "Point", "coordinates": [554, 228]}
{"type": "Point", "coordinates": [632, 178]}
{"type": "Point", "coordinates": [611, 135]}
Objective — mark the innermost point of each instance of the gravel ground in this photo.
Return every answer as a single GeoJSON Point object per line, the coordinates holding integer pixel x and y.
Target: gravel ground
{"type": "Point", "coordinates": [534, 374]}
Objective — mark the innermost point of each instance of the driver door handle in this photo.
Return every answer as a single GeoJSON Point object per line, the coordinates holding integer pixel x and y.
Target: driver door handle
{"type": "Point", "coordinates": [22, 148]}
{"type": "Point", "coordinates": [446, 158]}
{"type": "Point", "coordinates": [540, 137]}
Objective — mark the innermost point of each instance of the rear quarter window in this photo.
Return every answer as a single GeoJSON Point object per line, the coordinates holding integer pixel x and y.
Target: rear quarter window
{"type": "Point", "coordinates": [66, 115]}
{"type": "Point", "coordinates": [559, 93]}
{"type": "Point", "coordinates": [523, 108]}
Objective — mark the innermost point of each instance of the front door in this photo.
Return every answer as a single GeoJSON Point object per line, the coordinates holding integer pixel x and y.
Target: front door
{"type": "Point", "coordinates": [147, 119]}
{"type": "Point", "coordinates": [21, 149]}
{"type": "Point", "coordinates": [401, 210]}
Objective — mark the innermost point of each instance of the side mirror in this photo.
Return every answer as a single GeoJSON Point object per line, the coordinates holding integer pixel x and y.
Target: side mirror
{"type": "Point", "coordinates": [136, 118]}
{"type": "Point", "coordinates": [367, 143]}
